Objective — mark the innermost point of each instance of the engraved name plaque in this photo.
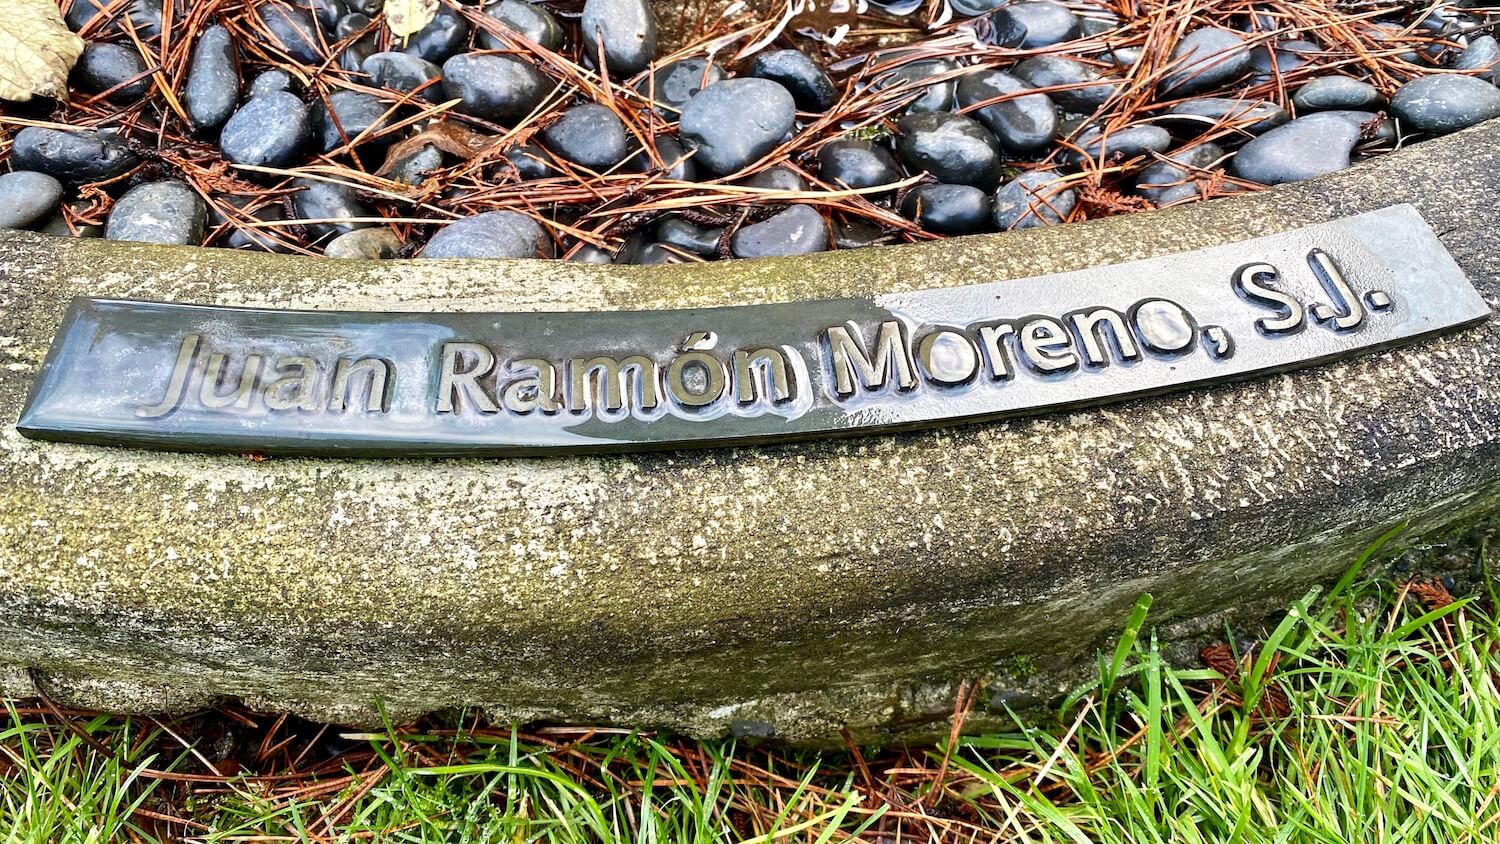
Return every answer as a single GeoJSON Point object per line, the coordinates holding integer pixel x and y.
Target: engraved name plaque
{"type": "Point", "coordinates": [334, 383]}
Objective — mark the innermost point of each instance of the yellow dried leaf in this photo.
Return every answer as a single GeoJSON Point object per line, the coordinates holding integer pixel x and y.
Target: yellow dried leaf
{"type": "Point", "coordinates": [407, 17]}
{"type": "Point", "coordinates": [36, 50]}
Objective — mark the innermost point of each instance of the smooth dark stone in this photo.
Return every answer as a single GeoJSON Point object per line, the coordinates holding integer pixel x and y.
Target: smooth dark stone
{"type": "Point", "coordinates": [1119, 145]}
{"type": "Point", "coordinates": [326, 12]}
{"type": "Point", "coordinates": [857, 164]}
{"type": "Point", "coordinates": [949, 209]}
{"type": "Point", "coordinates": [353, 56]}
{"type": "Point", "coordinates": [1254, 117]}
{"type": "Point", "coordinates": [104, 66]}
{"type": "Point", "coordinates": [404, 72]}
{"type": "Point", "coordinates": [367, 7]}
{"type": "Point", "coordinates": [1033, 199]}
{"type": "Point", "coordinates": [1125, 57]}
{"type": "Point", "coordinates": [531, 20]}
{"type": "Point", "coordinates": [1331, 93]}
{"type": "Point", "coordinates": [732, 123]}
{"type": "Point", "coordinates": [371, 244]}
{"type": "Point", "coordinates": [809, 85]}
{"type": "Point", "coordinates": [939, 96]}
{"type": "Point", "coordinates": [1482, 54]}
{"type": "Point", "coordinates": [1044, 22]}
{"type": "Point", "coordinates": [654, 254]}
{"type": "Point", "coordinates": [351, 24]}
{"type": "Point", "coordinates": [1022, 124]}
{"type": "Point", "coordinates": [1088, 27]}
{"type": "Point", "coordinates": [532, 162]}
{"type": "Point", "coordinates": [355, 112]}
{"type": "Point", "coordinates": [268, 131]}
{"type": "Point", "coordinates": [775, 178]}
{"type": "Point", "coordinates": [1306, 147]}
{"type": "Point", "coordinates": [71, 157]}
{"type": "Point", "coordinates": [953, 148]}
{"type": "Point", "coordinates": [590, 254]}
{"type": "Point", "coordinates": [1176, 178]}
{"type": "Point", "coordinates": [292, 28]}
{"type": "Point", "coordinates": [677, 82]}
{"type": "Point", "coordinates": [493, 234]}
{"type": "Point", "coordinates": [1206, 58]}
{"type": "Point", "coordinates": [158, 212]}
{"type": "Point", "coordinates": [27, 198]}
{"type": "Point", "coordinates": [1391, 35]}
{"type": "Point", "coordinates": [319, 200]}
{"type": "Point", "coordinates": [675, 231]}
{"type": "Point", "coordinates": [591, 136]}
{"type": "Point", "coordinates": [497, 88]}
{"type": "Point", "coordinates": [58, 227]}
{"type": "Point", "coordinates": [213, 80]}
{"type": "Point", "coordinates": [679, 165]}
{"type": "Point", "coordinates": [441, 39]}
{"type": "Point", "coordinates": [799, 230]}
{"type": "Point", "coordinates": [250, 238]}
{"type": "Point", "coordinates": [856, 233]}
{"type": "Point", "coordinates": [412, 169]}
{"type": "Point", "coordinates": [145, 16]}
{"type": "Point", "coordinates": [1266, 62]}
{"type": "Point", "coordinates": [1050, 71]}
{"type": "Point", "coordinates": [269, 82]}
{"type": "Point", "coordinates": [627, 30]}
{"type": "Point", "coordinates": [1441, 104]}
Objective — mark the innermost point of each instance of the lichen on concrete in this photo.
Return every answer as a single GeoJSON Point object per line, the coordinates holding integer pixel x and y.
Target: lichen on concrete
{"type": "Point", "coordinates": [786, 589]}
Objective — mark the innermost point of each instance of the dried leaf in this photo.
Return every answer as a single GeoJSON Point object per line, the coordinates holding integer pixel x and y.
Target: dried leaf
{"type": "Point", "coordinates": [407, 17]}
{"type": "Point", "coordinates": [36, 50]}
{"type": "Point", "coordinates": [452, 138]}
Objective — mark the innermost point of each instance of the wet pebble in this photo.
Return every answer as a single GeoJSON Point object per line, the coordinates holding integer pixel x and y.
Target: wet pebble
{"type": "Point", "coordinates": [589, 135]}
{"type": "Point", "coordinates": [799, 230]}
{"type": "Point", "coordinates": [1482, 54]}
{"type": "Point", "coordinates": [268, 131]}
{"type": "Point", "coordinates": [949, 209]}
{"type": "Point", "coordinates": [1050, 71]}
{"type": "Point", "coordinates": [809, 85]}
{"type": "Point", "coordinates": [1119, 145]}
{"type": "Point", "coordinates": [953, 148]}
{"type": "Point", "coordinates": [106, 66]}
{"type": "Point", "coordinates": [58, 227]}
{"type": "Point", "coordinates": [1044, 23]}
{"type": "Point", "coordinates": [374, 243]}
{"type": "Point", "coordinates": [531, 20]}
{"type": "Point", "coordinates": [675, 161]}
{"type": "Point", "coordinates": [355, 113]}
{"type": "Point", "coordinates": [1176, 178]}
{"type": "Point", "coordinates": [252, 238]}
{"type": "Point", "coordinates": [292, 28]}
{"type": "Point", "coordinates": [856, 233]}
{"type": "Point", "coordinates": [590, 254]}
{"type": "Point", "coordinates": [532, 162]}
{"type": "Point", "coordinates": [442, 38]}
{"type": "Point", "coordinates": [775, 178]}
{"type": "Point", "coordinates": [72, 157]}
{"type": "Point", "coordinates": [1027, 122]}
{"type": "Point", "coordinates": [334, 208]}
{"type": "Point", "coordinates": [352, 57]}
{"type": "Point", "coordinates": [938, 96]}
{"type": "Point", "coordinates": [269, 82]}
{"type": "Point", "coordinates": [145, 15]}
{"type": "Point", "coordinates": [627, 31]}
{"type": "Point", "coordinates": [1331, 93]}
{"type": "Point", "coordinates": [497, 88]}
{"type": "Point", "coordinates": [733, 123]}
{"type": "Point", "coordinates": [1445, 103]}
{"type": "Point", "coordinates": [404, 72]}
{"type": "Point", "coordinates": [213, 80]}
{"type": "Point", "coordinates": [1306, 147]}
{"type": "Point", "coordinates": [158, 212]}
{"type": "Point", "coordinates": [700, 241]}
{"type": "Point", "coordinates": [493, 234]}
{"type": "Point", "coordinates": [412, 169]}
{"type": "Point", "coordinates": [1267, 61]}
{"type": "Point", "coordinates": [1251, 116]}
{"type": "Point", "coordinates": [1033, 199]}
{"type": "Point", "coordinates": [27, 198]}
{"type": "Point", "coordinates": [856, 164]}
{"type": "Point", "coordinates": [673, 84]}
{"type": "Point", "coordinates": [1206, 58]}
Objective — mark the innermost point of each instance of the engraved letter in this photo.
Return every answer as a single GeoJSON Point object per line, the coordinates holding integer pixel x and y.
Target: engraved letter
{"type": "Point", "coordinates": [1047, 346]}
{"type": "Point", "coordinates": [948, 356]}
{"type": "Point", "coordinates": [1289, 317]}
{"type": "Point", "coordinates": [1091, 326]}
{"type": "Point", "coordinates": [452, 380]}
{"type": "Point", "coordinates": [610, 374]}
{"type": "Point", "coordinates": [305, 383]}
{"type": "Point", "coordinates": [380, 380]}
{"type": "Point", "coordinates": [849, 361]}
{"type": "Point", "coordinates": [241, 396]}
{"type": "Point", "coordinates": [993, 338]}
{"type": "Point", "coordinates": [1163, 326]}
{"type": "Point", "coordinates": [773, 363]}
{"type": "Point", "coordinates": [1346, 313]}
{"type": "Point", "coordinates": [532, 392]}
{"type": "Point", "coordinates": [176, 384]}
{"type": "Point", "coordinates": [687, 394]}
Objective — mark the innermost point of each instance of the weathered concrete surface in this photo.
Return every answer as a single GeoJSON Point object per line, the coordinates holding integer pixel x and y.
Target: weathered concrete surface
{"type": "Point", "coordinates": [788, 589]}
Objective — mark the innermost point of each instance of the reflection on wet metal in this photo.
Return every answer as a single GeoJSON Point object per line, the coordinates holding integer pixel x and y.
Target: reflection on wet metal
{"type": "Point", "coordinates": [305, 382]}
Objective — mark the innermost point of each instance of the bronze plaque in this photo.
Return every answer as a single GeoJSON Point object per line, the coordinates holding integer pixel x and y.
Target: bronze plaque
{"type": "Point", "coordinates": [348, 383]}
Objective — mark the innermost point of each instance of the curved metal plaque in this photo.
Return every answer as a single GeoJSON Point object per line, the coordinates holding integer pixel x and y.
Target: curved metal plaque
{"type": "Point", "coordinates": [314, 382]}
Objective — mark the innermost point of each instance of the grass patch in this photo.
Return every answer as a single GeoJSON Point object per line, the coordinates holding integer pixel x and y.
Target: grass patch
{"type": "Point", "coordinates": [1370, 713]}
